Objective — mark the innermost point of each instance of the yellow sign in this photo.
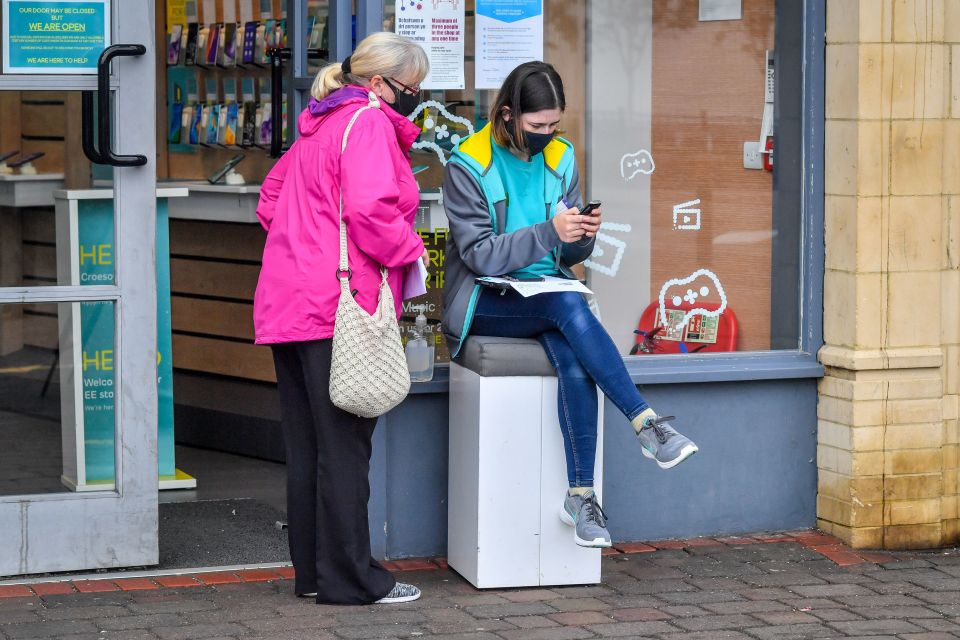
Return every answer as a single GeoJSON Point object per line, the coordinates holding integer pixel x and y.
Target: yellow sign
{"type": "Point", "coordinates": [176, 13]}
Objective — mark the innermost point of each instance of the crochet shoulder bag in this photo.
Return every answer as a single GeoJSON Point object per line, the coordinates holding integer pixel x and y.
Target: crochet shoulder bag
{"type": "Point", "coordinates": [368, 373]}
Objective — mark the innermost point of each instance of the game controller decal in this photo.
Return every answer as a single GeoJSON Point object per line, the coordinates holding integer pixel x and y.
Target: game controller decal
{"type": "Point", "coordinates": [690, 296]}
{"type": "Point", "coordinates": [441, 131]}
{"type": "Point", "coordinates": [633, 164]}
{"type": "Point", "coordinates": [686, 217]}
{"type": "Point", "coordinates": [614, 267]}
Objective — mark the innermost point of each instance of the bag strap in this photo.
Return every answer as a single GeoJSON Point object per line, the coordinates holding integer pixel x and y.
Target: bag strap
{"type": "Point", "coordinates": [343, 270]}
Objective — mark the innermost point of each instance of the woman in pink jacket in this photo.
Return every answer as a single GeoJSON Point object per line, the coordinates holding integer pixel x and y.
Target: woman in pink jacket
{"type": "Point", "coordinates": [328, 450]}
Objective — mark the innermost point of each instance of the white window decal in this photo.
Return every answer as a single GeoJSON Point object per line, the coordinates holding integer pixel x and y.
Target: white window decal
{"type": "Point", "coordinates": [686, 216]}
{"type": "Point", "coordinates": [682, 292]}
{"type": "Point", "coordinates": [633, 164]}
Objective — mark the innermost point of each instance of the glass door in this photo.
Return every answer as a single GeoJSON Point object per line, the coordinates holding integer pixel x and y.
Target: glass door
{"type": "Point", "coordinates": [78, 293]}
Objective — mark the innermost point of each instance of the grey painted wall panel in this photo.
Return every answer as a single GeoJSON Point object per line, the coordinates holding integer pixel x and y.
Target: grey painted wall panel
{"type": "Point", "coordinates": [756, 469]}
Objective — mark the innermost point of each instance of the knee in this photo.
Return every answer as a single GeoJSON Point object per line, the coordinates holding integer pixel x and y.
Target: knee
{"type": "Point", "coordinates": [564, 360]}
{"type": "Point", "coordinates": [574, 370]}
{"type": "Point", "coordinates": [577, 315]}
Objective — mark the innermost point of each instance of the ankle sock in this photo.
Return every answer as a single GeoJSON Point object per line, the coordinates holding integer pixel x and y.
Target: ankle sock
{"type": "Point", "coordinates": [640, 419]}
{"type": "Point", "coordinates": [579, 491]}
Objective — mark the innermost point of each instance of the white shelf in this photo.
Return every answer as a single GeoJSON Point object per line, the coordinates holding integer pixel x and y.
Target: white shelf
{"type": "Point", "coordinates": [216, 202]}
{"type": "Point", "coordinates": [29, 190]}
{"type": "Point", "coordinates": [107, 194]}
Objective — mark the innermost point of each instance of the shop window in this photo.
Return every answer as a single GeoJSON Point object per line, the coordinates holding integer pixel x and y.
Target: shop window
{"type": "Point", "coordinates": [685, 109]}
{"type": "Point", "coordinates": [686, 119]}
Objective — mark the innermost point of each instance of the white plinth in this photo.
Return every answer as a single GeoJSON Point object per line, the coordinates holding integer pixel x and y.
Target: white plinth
{"type": "Point", "coordinates": [507, 481]}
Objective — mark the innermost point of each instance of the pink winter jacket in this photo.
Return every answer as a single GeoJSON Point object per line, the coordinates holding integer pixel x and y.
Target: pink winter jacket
{"type": "Point", "coordinates": [297, 293]}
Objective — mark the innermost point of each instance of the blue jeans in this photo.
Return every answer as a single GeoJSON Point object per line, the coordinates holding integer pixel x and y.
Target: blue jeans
{"type": "Point", "coordinates": [583, 354]}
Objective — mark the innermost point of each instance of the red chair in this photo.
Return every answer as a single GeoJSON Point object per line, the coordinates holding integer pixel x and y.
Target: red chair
{"type": "Point", "coordinates": [701, 333]}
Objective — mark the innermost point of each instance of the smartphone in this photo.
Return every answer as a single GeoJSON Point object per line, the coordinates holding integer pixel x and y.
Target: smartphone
{"type": "Point", "coordinates": [589, 209]}
{"type": "Point", "coordinates": [525, 277]}
{"type": "Point", "coordinates": [225, 169]}
{"type": "Point", "coordinates": [25, 159]}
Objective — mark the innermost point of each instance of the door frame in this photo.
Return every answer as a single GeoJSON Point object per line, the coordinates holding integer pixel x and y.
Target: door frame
{"type": "Point", "coordinates": [115, 528]}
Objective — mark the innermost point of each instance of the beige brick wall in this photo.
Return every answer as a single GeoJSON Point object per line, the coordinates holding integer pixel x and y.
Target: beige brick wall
{"type": "Point", "coordinates": [888, 437]}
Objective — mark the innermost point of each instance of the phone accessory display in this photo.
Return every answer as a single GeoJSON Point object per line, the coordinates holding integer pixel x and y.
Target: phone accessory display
{"type": "Point", "coordinates": [176, 116]}
{"type": "Point", "coordinates": [173, 44]}
{"type": "Point", "coordinates": [25, 163]}
{"type": "Point", "coordinates": [249, 42]}
{"type": "Point", "coordinates": [230, 34]}
{"type": "Point", "coordinates": [190, 53]}
{"type": "Point", "coordinates": [197, 127]}
{"type": "Point", "coordinates": [214, 48]}
{"type": "Point", "coordinates": [202, 36]}
{"type": "Point", "coordinates": [5, 168]}
{"type": "Point", "coordinates": [227, 173]}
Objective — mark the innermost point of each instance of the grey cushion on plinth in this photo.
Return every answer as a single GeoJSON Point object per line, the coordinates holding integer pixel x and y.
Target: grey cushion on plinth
{"type": "Point", "coordinates": [489, 356]}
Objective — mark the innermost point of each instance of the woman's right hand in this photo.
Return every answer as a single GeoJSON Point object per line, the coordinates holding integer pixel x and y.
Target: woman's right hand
{"type": "Point", "coordinates": [426, 257]}
{"type": "Point", "coordinates": [567, 224]}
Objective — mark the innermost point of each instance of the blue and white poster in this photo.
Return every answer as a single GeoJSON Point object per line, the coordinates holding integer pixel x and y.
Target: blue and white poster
{"type": "Point", "coordinates": [59, 36]}
{"type": "Point", "coordinates": [509, 33]}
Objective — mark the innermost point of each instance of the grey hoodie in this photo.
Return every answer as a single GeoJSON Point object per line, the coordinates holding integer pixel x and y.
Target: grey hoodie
{"type": "Point", "coordinates": [474, 250]}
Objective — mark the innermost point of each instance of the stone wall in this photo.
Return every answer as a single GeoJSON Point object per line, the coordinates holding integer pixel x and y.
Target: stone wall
{"type": "Point", "coordinates": [888, 436]}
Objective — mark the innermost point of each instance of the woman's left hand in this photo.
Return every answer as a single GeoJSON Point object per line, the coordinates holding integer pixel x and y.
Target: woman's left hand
{"type": "Point", "coordinates": [591, 223]}
{"type": "Point", "coordinates": [426, 257]}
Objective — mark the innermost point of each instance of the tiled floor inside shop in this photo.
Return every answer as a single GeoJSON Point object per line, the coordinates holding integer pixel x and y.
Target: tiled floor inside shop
{"type": "Point", "coordinates": [231, 518]}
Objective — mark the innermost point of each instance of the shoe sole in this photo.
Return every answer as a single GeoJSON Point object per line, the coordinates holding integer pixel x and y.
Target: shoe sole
{"type": "Point", "coordinates": [596, 543]}
{"type": "Point", "coordinates": [685, 453]}
{"type": "Point", "coordinates": [398, 600]}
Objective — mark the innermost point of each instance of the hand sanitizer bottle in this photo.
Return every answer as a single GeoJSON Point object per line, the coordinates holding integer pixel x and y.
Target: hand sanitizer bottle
{"type": "Point", "coordinates": [420, 350]}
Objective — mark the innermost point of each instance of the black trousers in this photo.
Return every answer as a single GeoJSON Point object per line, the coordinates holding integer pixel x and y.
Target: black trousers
{"type": "Point", "coordinates": [328, 461]}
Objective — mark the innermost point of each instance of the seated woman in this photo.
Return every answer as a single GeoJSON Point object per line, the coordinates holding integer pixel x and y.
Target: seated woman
{"type": "Point", "coordinates": [512, 196]}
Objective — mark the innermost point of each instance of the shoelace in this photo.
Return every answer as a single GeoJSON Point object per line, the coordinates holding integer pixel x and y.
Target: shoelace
{"type": "Point", "coordinates": [662, 435]}
{"type": "Point", "coordinates": [595, 511]}
{"type": "Point", "coordinates": [402, 590]}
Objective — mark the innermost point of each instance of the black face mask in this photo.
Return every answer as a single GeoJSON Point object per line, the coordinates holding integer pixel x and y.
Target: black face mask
{"type": "Point", "coordinates": [405, 103]}
{"type": "Point", "coordinates": [536, 142]}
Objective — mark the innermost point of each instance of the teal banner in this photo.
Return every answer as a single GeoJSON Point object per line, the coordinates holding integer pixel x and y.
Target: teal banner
{"type": "Point", "coordinates": [61, 36]}
{"type": "Point", "coordinates": [96, 253]}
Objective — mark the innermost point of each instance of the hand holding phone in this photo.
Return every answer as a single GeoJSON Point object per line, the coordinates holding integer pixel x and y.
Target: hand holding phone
{"type": "Point", "coordinates": [591, 218]}
{"type": "Point", "coordinates": [590, 208]}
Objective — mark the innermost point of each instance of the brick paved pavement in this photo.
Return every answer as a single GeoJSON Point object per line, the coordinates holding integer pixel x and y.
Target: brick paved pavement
{"type": "Point", "coordinates": [743, 589]}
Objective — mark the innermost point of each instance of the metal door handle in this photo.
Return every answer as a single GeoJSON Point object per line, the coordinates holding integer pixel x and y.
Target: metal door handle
{"type": "Point", "coordinates": [86, 117]}
{"type": "Point", "coordinates": [102, 151]}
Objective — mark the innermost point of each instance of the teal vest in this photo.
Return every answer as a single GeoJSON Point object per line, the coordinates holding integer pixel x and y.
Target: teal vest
{"type": "Point", "coordinates": [475, 153]}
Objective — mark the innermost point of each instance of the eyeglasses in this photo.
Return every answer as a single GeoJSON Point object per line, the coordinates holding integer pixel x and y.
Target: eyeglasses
{"type": "Point", "coordinates": [406, 88]}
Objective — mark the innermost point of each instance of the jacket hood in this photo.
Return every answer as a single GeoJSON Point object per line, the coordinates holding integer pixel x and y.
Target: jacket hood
{"type": "Point", "coordinates": [313, 116]}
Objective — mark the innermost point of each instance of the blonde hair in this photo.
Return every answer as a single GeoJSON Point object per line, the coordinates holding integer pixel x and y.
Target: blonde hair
{"type": "Point", "coordinates": [379, 54]}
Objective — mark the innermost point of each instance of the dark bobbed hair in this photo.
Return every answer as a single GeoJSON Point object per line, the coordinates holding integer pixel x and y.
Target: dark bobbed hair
{"type": "Point", "coordinates": [533, 86]}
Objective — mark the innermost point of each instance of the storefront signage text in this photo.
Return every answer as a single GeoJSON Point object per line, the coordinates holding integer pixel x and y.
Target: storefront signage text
{"type": "Point", "coordinates": [60, 36]}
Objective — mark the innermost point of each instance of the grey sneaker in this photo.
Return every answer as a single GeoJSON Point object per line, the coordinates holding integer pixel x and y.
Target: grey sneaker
{"type": "Point", "coordinates": [663, 443]}
{"type": "Point", "coordinates": [584, 514]}
{"type": "Point", "coordinates": [401, 592]}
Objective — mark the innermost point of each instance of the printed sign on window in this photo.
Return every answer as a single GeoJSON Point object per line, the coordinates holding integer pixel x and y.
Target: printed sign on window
{"type": "Point", "coordinates": [437, 26]}
{"type": "Point", "coordinates": [62, 36]}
